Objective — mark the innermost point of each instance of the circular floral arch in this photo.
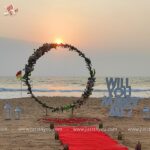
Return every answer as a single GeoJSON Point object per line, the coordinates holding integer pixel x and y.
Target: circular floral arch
{"type": "Point", "coordinates": [29, 67]}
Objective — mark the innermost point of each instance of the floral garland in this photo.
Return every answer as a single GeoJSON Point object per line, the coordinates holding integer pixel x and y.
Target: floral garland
{"type": "Point", "coordinates": [29, 67]}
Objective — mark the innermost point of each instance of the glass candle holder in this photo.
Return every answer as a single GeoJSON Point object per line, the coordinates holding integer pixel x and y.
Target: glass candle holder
{"type": "Point", "coordinates": [17, 113]}
{"type": "Point", "coordinates": [7, 111]}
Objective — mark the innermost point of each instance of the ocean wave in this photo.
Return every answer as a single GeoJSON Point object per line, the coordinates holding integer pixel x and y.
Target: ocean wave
{"type": "Point", "coordinates": [64, 91]}
{"type": "Point", "coordinates": [36, 90]}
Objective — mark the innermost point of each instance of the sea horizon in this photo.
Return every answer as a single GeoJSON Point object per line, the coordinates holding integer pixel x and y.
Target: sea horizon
{"type": "Point", "coordinates": [68, 86]}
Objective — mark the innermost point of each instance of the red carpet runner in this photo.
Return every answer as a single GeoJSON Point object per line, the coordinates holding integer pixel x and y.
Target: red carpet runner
{"type": "Point", "coordinates": [69, 120]}
{"type": "Point", "coordinates": [87, 138]}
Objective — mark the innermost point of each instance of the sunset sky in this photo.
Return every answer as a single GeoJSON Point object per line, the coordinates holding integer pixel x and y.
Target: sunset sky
{"type": "Point", "coordinates": [115, 34]}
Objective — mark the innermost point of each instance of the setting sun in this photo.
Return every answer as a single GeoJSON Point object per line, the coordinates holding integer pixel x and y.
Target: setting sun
{"type": "Point", "coordinates": [59, 41]}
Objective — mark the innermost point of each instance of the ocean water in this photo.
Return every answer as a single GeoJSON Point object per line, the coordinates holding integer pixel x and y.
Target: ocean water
{"type": "Point", "coordinates": [10, 87]}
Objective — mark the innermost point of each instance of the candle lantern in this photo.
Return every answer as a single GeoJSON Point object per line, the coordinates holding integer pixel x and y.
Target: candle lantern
{"type": "Point", "coordinates": [146, 112]}
{"type": "Point", "coordinates": [17, 113]}
{"type": "Point", "coordinates": [7, 111]}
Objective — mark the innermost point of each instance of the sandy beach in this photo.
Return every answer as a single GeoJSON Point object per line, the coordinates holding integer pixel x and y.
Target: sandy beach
{"type": "Point", "coordinates": [30, 134]}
